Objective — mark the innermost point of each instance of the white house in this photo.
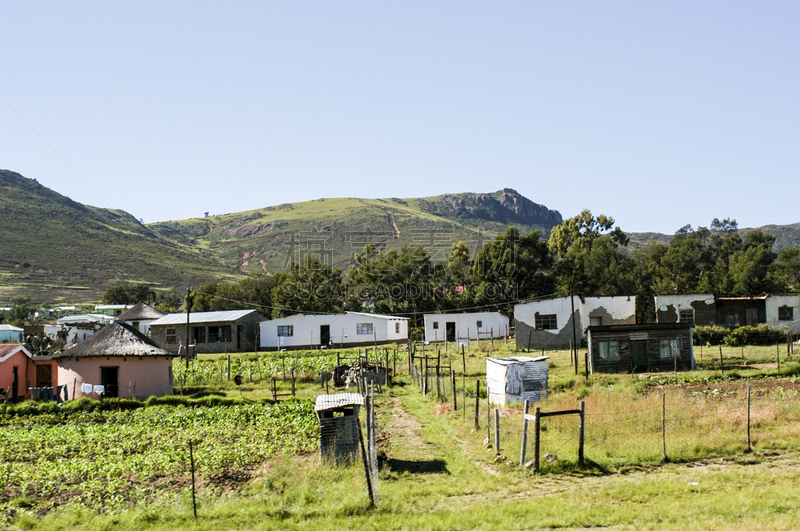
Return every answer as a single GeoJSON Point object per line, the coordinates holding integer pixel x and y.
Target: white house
{"type": "Point", "coordinates": [453, 326]}
{"type": "Point", "coordinates": [548, 323]}
{"type": "Point", "coordinates": [340, 330]}
{"type": "Point", "coordinates": [84, 325]}
{"type": "Point", "coordinates": [140, 316]}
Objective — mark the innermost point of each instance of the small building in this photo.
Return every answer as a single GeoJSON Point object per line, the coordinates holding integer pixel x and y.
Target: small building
{"type": "Point", "coordinates": [641, 348]}
{"type": "Point", "coordinates": [516, 379]}
{"type": "Point", "coordinates": [118, 361]}
{"type": "Point", "coordinates": [548, 323]}
{"type": "Point", "coordinates": [79, 327]}
{"type": "Point", "coordinates": [338, 425]}
{"type": "Point", "coordinates": [20, 370]}
{"type": "Point", "coordinates": [10, 334]}
{"type": "Point", "coordinates": [349, 329]}
{"type": "Point", "coordinates": [704, 309]}
{"type": "Point", "coordinates": [453, 326]}
{"type": "Point", "coordinates": [209, 332]}
{"type": "Point", "coordinates": [140, 316]}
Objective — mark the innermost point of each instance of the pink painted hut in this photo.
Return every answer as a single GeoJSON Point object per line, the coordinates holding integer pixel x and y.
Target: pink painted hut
{"type": "Point", "coordinates": [117, 361]}
{"type": "Point", "coordinates": [20, 370]}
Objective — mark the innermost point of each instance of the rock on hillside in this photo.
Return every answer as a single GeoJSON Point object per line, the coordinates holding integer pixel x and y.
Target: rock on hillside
{"type": "Point", "coordinates": [504, 206]}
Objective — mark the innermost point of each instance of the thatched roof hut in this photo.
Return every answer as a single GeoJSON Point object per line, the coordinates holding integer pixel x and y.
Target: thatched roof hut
{"type": "Point", "coordinates": [117, 339]}
{"type": "Point", "coordinates": [140, 312]}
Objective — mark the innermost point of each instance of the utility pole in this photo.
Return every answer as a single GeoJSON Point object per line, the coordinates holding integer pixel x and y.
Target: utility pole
{"type": "Point", "coordinates": [188, 311]}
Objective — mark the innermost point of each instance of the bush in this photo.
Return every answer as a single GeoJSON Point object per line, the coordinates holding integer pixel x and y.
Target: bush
{"type": "Point", "coordinates": [754, 335]}
{"type": "Point", "coordinates": [709, 335]}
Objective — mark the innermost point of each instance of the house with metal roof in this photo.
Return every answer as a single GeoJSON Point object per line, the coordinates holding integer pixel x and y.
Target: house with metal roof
{"type": "Point", "coordinates": [349, 329]}
{"type": "Point", "coordinates": [10, 333]}
{"type": "Point", "coordinates": [472, 325]}
{"type": "Point", "coordinates": [209, 332]}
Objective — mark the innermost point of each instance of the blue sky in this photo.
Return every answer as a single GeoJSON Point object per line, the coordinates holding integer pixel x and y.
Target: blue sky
{"type": "Point", "coordinates": [659, 114]}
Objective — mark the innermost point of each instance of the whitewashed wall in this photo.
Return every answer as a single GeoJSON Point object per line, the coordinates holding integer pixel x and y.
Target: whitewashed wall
{"type": "Point", "coordinates": [343, 330]}
{"type": "Point", "coordinates": [774, 302]}
{"type": "Point", "coordinates": [493, 324]}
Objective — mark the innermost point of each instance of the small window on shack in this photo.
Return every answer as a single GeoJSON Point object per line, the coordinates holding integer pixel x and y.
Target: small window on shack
{"type": "Point", "coordinates": [669, 348]}
{"type": "Point", "coordinates": [546, 322]}
{"type": "Point", "coordinates": [609, 349]}
{"type": "Point", "coordinates": [436, 325]}
{"type": "Point", "coordinates": [397, 328]}
{"type": "Point", "coordinates": [686, 315]}
{"type": "Point", "coordinates": [363, 328]}
{"type": "Point", "coordinates": [285, 330]}
{"type": "Point", "coordinates": [480, 325]}
{"type": "Point", "coordinates": [785, 313]}
{"type": "Point", "coordinates": [172, 336]}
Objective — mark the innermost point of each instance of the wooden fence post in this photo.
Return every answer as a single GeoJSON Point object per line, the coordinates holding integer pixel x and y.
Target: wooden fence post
{"type": "Point", "coordinates": [536, 439]}
{"type": "Point", "coordinates": [455, 394]}
{"type": "Point", "coordinates": [477, 404]}
{"type": "Point", "coordinates": [581, 433]}
{"type": "Point", "coordinates": [721, 363]}
{"type": "Point", "coordinates": [524, 433]}
{"type": "Point", "coordinates": [749, 446]}
{"type": "Point", "coordinates": [664, 423]}
{"type": "Point", "coordinates": [497, 430]}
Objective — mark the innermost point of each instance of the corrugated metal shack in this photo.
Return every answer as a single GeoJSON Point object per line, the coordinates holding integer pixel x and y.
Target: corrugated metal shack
{"type": "Point", "coordinates": [338, 425]}
{"type": "Point", "coordinates": [516, 379]}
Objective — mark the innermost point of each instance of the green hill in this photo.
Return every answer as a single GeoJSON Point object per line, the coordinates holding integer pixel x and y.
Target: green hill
{"type": "Point", "coordinates": [333, 229]}
{"type": "Point", "coordinates": [55, 249]}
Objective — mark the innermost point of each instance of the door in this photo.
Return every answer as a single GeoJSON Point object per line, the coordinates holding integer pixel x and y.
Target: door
{"type": "Point", "coordinates": [44, 376]}
{"type": "Point", "coordinates": [15, 384]}
{"type": "Point", "coordinates": [450, 330]}
{"type": "Point", "coordinates": [639, 355]}
{"type": "Point", "coordinates": [324, 335]}
{"type": "Point", "coordinates": [751, 316]}
{"type": "Point", "coordinates": [109, 379]}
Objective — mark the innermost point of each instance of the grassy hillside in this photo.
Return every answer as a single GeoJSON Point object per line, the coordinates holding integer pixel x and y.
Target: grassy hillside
{"type": "Point", "coordinates": [54, 248]}
{"type": "Point", "coordinates": [334, 229]}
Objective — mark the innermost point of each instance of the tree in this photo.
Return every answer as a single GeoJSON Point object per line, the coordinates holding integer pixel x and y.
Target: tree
{"type": "Point", "coordinates": [512, 267]}
{"type": "Point", "coordinates": [309, 286]}
{"type": "Point", "coordinates": [750, 266]}
{"type": "Point", "coordinates": [128, 294]}
{"type": "Point", "coordinates": [785, 271]}
{"type": "Point", "coordinates": [577, 266]}
{"type": "Point", "coordinates": [21, 311]}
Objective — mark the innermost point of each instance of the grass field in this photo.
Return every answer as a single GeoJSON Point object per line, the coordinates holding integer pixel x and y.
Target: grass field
{"type": "Point", "coordinates": [437, 472]}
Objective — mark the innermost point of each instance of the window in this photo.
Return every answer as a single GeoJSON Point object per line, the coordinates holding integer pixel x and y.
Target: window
{"type": "Point", "coordinates": [285, 331]}
{"type": "Point", "coordinates": [436, 325]}
{"type": "Point", "coordinates": [172, 336]}
{"type": "Point", "coordinates": [546, 322]}
{"type": "Point", "coordinates": [785, 313]}
{"type": "Point", "coordinates": [219, 334]}
{"type": "Point", "coordinates": [363, 328]}
{"type": "Point", "coordinates": [397, 328]}
{"type": "Point", "coordinates": [609, 349]}
{"type": "Point", "coordinates": [669, 348]}
{"type": "Point", "coordinates": [686, 316]}
{"type": "Point", "coordinates": [199, 334]}
{"type": "Point", "coordinates": [480, 325]}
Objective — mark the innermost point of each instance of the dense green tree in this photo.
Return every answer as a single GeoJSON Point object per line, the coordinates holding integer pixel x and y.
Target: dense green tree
{"type": "Point", "coordinates": [512, 267]}
{"type": "Point", "coordinates": [786, 269]}
{"type": "Point", "coordinates": [309, 286]}
{"type": "Point", "coordinates": [584, 248]}
{"type": "Point", "coordinates": [128, 294]}
{"type": "Point", "coordinates": [750, 266]}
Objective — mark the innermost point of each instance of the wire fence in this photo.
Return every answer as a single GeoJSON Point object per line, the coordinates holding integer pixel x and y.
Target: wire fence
{"type": "Point", "coordinates": [625, 429]}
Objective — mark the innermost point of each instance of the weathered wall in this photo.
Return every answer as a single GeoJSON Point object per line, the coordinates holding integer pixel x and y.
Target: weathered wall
{"type": "Point", "coordinates": [774, 302]}
{"type": "Point", "coordinates": [343, 330]}
{"type": "Point", "coordinates": [494, 324]}
{"type": "Point", "coordinates": [668, 306]}
{"type": "Point", "coordinates": [138, 377]}
{"type": "Point", "coordinates": [242, 340]}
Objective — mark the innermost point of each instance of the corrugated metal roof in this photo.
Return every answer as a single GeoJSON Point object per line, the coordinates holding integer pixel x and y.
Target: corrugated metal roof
{"type": "Point", "coordinates": [325, 402]}
{"type": "Point", "coordinates": [11, 327]}
{"type": "Point", "coordinates": [516, 359]}
{"type": "Point", "coordinates": [378, 315]}
{"type": "Point", "coordinates": [202, 317]}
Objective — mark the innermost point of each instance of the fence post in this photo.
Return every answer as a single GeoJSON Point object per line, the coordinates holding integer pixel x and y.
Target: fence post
{"type": "Point", "coordinates": [477, 404]}
{"type": "Point", "coordinates": [536, 438]}
{"type": "Point", "coordinates": [664, 423]}
{"type": "Point", "coordinates": [524, 433]}
{"type": "Point", "coordinates": [581, 433]}
{"type": "Point", "coordinates": [229, 366]}
{"type": "Point", "coordinates": [721, 363]}
{"type": "Point", "coordinates": [749, 447]}
{"type": "Point", "coordinates": [425, 377]}
{"type": "Point", "coordinates": [455, 394]}
{"type": "Point", "coordinates": [497, 430]}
